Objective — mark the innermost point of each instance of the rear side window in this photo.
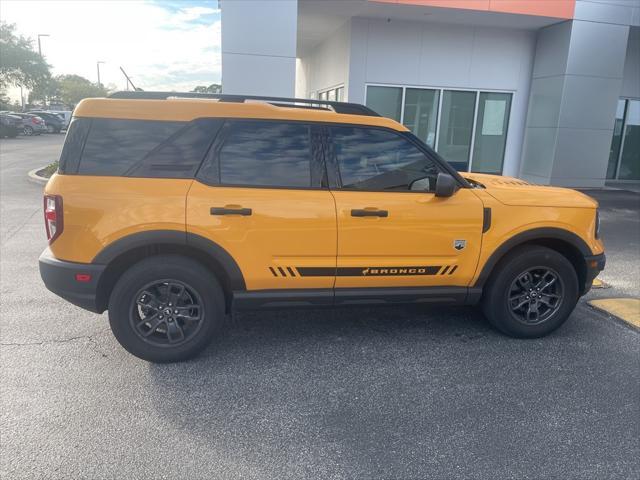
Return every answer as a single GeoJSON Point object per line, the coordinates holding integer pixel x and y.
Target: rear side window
{"type": "Point", "coordinates": [138, 148]}
{"type": "Point", "coordinates": [114, 146]}
{"type": "Point", "coordinates": [73, 143]}
{"type": "Point", "coordinates": [266, 154]}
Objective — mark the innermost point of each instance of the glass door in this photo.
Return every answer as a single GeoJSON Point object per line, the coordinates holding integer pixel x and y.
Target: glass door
{"type": "Point", "coordinates": [421, 113]}
{"type": "Point", "coordinates": [456, 127]}
{"type": "Point", "coordinates": [491, 132]}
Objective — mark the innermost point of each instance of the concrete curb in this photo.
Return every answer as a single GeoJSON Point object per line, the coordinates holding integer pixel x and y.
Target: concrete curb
{"type": "Point", "coordinates": [35, 178]}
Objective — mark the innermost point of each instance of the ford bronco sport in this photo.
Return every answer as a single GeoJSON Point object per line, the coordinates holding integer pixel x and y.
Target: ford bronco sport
{"type": "Point", "coordinates": [173, 210]}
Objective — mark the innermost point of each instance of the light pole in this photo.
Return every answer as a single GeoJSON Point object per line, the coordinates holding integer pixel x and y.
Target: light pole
{"type": "Point", "coordinates": [98, 67]}
{"type": "Point", "coordinates": [39, 44]}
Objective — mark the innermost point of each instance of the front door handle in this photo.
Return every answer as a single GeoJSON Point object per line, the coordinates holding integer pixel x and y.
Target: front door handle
{"type": "Point", "coordinates": [369, 213]}
{"type": "Point", "coordinates": [230, 211]}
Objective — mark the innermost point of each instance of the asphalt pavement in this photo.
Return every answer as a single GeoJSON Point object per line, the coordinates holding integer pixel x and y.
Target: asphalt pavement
{"type": "Point", "coordinates": [393, 392]}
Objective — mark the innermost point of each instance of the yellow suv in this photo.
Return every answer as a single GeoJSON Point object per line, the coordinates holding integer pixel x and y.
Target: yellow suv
{"type": "Point", "coordinates": [173, 210]}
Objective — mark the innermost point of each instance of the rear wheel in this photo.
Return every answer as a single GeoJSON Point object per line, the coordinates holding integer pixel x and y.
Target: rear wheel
{"type": "Point", "coordinates": [531, 292]}
{"type": "Point", "coordinates": [166, 308]}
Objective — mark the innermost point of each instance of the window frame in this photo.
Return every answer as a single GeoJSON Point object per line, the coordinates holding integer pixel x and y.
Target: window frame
{"type": "Point", "coordinates": [333, 168]}
{"type": "Point", "coordinates": [317, 161]}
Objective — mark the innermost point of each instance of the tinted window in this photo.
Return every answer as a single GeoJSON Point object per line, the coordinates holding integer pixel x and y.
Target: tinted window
{"type": "Point", "coordinates": [73, 143]}
{"type": "Point", "coordinates": [266, 154]}
{"type": "Point", "coordinates": [180, 155]}
{"type": "Point", "coordinates": [115, 146]}
{"type": "Point", "coordinates": [374, 159]}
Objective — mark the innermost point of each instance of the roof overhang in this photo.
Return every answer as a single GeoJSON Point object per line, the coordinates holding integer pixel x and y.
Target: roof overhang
{"type": "Point", "coordinates": [318, 19]}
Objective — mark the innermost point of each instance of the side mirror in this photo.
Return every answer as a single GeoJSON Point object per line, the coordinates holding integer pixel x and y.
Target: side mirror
{"type": "Point", "coordinates": [445, 185]}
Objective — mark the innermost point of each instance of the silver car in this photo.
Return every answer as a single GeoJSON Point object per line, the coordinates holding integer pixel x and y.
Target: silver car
{"type": "Point", "coordinates": [31, 124]}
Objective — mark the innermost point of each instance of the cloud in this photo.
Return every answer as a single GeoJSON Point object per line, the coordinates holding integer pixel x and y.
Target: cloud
{"type": "Point", "coordinates": [161, 45]}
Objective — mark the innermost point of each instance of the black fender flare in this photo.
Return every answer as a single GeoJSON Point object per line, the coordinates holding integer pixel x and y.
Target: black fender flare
{"type": "Point", "coordinates": [546, 233]}
{"type": "Point", "coordinates": [174, 237]}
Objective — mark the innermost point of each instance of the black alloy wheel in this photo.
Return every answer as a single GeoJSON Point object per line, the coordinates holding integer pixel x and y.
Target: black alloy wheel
{"type": "Point", "coordinates": [166, 313]}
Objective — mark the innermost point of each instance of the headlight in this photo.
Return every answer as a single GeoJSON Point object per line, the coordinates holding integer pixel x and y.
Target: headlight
{"type": "Point", "coordinates": [597, 232]}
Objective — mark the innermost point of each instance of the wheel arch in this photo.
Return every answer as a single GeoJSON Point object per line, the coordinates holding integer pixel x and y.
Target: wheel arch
{"type": "Point", "coordinates": [567, 243]}
{"type": "Point", "coordinates": [124, 252]}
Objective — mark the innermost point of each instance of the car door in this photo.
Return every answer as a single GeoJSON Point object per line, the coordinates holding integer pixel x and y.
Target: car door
{"type": "Point", "coordinates": [392, 229]}
{"type": "Point", "coordinates": [260, 196]}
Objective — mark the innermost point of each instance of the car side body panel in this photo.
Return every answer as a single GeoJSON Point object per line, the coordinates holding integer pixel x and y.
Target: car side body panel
{"type": "Point", "coordinates": [287, 233]}
{"type": "Point", "coordinates": [101, 210]}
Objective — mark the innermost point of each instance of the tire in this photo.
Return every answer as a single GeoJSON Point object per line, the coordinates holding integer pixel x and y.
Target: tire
{"type": "Point", "coordinates": [158, 277]}
{"type": "Point", "coordinates": [520, 279]}
{"type": "Point", "coordinates": [28, 131]}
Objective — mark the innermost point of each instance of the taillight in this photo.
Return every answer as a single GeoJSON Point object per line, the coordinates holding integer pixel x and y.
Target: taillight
{"type": "Point", "coordinates": [35, 120]}
{"type": "Point", "coordinates": [53, 216]}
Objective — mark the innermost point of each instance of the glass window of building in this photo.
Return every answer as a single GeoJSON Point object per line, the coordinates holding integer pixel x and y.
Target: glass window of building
{"type": "Point", "coordinates": [445, 120]}
{"type": "Point", "coordinates": [387, 101]}
{"type": "Point", "coordinates": [630, 157]}
{"type": "Point", "coordinates": [616, 141]}
{"type": "Point", "coordinates": [421, 113]}
{"type": "Point", "coordinates": [491, 132]}
{"type": "Point", "coordinates": [456, 127]}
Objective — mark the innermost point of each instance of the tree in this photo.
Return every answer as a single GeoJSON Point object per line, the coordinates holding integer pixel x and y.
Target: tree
{"type": "Point", "coordinates": [213, 88]}
{"type": "Point", "coordinates": [68, 89]}
{"type": "Point", "coordinates": [19, 63]}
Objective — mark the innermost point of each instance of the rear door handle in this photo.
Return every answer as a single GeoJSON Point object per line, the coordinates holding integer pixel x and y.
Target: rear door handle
{"type": "Point", "coordinates": [230, 211]}
{"type": "Point", "coordinates": [369, 213]}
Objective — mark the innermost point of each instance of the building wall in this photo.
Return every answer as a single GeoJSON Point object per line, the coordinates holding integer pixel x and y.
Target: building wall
{"type": "Point", "coordinates": [326, 65]}
{"type": "Point", "coordinates": [577, 80]}
{"type": "Point", "coordinates": [631, 76]}
{"type": "Point", "coordinates": [439, 55]}
{"type": "Point", "coordinates": [259, 47]}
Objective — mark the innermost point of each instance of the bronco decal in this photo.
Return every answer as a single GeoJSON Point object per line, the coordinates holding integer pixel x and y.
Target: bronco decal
{"type": "Point", "coordinates": [362, 271]}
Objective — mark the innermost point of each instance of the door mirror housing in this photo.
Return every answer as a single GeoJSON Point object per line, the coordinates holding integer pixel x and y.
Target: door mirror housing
{"type": "Point", "coordinates": [445, 185]}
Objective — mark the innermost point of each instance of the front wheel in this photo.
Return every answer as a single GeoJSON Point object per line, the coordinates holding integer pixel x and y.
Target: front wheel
{"type": "Point", "coordinates": [166, 308]}
{"type": "Point", "coordinates": [28, 131]}
{"type": "Point", "coordinates": [531, 292]}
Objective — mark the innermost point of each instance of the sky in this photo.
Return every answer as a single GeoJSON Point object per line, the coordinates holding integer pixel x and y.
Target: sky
{"type": "Point", "coordinates": [161, 44]}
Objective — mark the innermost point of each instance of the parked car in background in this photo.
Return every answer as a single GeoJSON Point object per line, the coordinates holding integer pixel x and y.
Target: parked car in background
{"type": "Point", "coordinates": [65, 114]}
{"type": "Point", "coordinates": [10, 125]}
{"type": "Point", "coordinates": [31, 124]}
{"type": "Point", "coordinates": [54, 122]}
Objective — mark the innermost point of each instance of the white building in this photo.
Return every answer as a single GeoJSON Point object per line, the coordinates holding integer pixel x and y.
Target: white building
{"type": "Point", "coordinates": [547, 90]}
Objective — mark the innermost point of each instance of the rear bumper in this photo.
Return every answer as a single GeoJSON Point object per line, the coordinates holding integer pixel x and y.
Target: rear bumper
{"type": "Point", "coordinates": [60, 278]}
{"type": "Point", "coordinates": [595, 264]}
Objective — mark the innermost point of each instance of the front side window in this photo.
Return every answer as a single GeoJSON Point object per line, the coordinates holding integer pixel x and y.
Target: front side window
{"type": "Point", "coordinates": [266, 154]}
{"type": "Point", "coordinates": [379, 160]}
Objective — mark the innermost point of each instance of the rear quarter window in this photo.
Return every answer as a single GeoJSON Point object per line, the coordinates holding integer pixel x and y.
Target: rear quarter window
{"type": "Point", "coordinates": [142, 148]}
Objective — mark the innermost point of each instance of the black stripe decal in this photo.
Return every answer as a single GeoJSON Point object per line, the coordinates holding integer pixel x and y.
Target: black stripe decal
{"type": "Point", "coordinates": [291, 271]}
{"type": "Point", "coordinates": [367, 271]}
{"type": "Point", "coordinates": [453, 269]}
{"type": "Point", "coordinates": [273, 271]}
{"type": "Point", "coordinates": [445, 270]}
{"type": "Point", "coordinates": [282, 271]}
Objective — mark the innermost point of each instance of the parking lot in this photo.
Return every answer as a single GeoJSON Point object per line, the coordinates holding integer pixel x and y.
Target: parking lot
{"type": "Point", "coordinates": [393, 392]}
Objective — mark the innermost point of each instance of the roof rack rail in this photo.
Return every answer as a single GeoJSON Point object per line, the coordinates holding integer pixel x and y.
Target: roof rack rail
{"type": "Point", "coordinates": [338, 107]}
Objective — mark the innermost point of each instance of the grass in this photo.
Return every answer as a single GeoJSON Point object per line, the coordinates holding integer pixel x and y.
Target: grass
{"type": "Point", "coordinates": [49, 170]}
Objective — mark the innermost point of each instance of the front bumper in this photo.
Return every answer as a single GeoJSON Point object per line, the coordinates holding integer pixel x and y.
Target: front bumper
{"type": "Point", "coordinates": [595, 264]}
{"type": "Point", "coordinates": [61, 278]}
